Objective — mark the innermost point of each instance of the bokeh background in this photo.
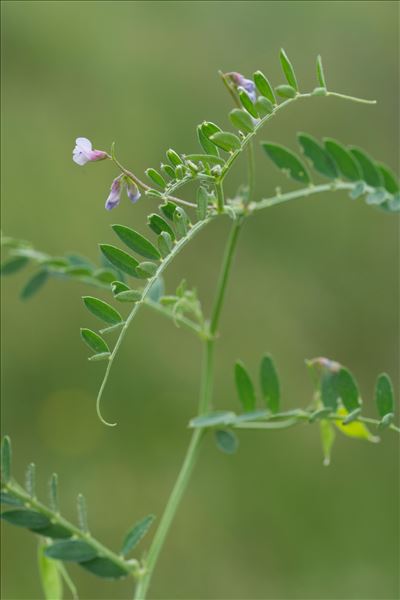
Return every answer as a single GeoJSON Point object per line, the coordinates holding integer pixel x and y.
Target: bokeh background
{"type": "Point", "coordinates": [317, 277]}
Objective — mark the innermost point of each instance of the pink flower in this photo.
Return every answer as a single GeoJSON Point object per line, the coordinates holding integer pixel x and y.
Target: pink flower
{"type": "Point", "coordinates": [114, 196]}
{"type": "Point", "coordinates": [83, 152]}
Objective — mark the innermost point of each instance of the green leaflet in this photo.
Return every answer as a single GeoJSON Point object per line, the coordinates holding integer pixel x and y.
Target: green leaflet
{"type": "Point", "coordinates": [103, 567]}
{"type": "Point", "coordinates": [6, 498]}
{"type": "Point", "coordinates": [6, 459]}
{"type": "Point", "coordinates": [347, 390]}
{"type": "Point", "coordinates": [340, 385]}
{"type": "Point", "coordinates": [287, 161]}
{"type": "Point", "coordinates": [242, 120]}
{"type": "Point", "coordinates": [146, 269]}
{"type": "Point", "coordinates": [136, 242]}
{"type": "Point", "coordinates": [129, 296]}
{"type": "Point", "coordinates": [54, 531]}
{"type": "Point", "coordinates": [384, 396]}
{"type": "Point", "coordinates": [13, 265]}
{"type": "Point", "coordinates": [226, 140]}
{"type": "Point", "coordinates": [50, 576]}
{"type": "Point", "coordinates": [99, 357]}
{"type": "Point", "coordinates": [34, 284]}
{"type": "Point", "coordinates": [390, 181]}
{"type": "Point", "coordinates": [288, 70]}
{"type": "Point", "coordinates": [157, 290]}
{"type": "Point", "coordinates": [174, 157]}
{"type": "Point", "coordinates": [286, 91]}
{"type": "Point", "coordinates": [264, 106]}
{"type": "Point", "coordinates": [181, 221]}
{"type": "Point", "coordinates": [202, 203]}
{"type": "Point", "coordinates": [204, 131]}
{"type": "Point", "coordinates": [244, 387]}
{"type": "Point", "coordinates": [121, 260]}
{"type": "Point", "coordinates": [165, 243]}
{"type": "Point", "coordinates": [370, 172]}
{"type": "Point", "coordinates": [248, 104]}
{"type": "Point", "coordinates": [156, 177]}
{"type": "Point", "coordinates": [344, 160]}
{"type": "Point", "coordinates": [226, 441]}
{"type": "Point", "coordinates": [94, 341]}
{"type": "Point", "coordinates": [320, 73]}
{"type": "Point", "coordinates": [168, 209]}
{"type": "Point", "coordinates": [118, 286]}
{"type": "Point", "coordinates": [319, 157]}
{"type": "Point", "coordinates": [71, 551]}
{"type": "Point", "coordinates": [135, 534]}
{"type": "Point", "coordinates": [102, 310]}
{"type": "Point", "coordinates": [270, 384]}
{"type": "Point", "coordinates": [328, 390]}
{"type": "Point", "coordinates": [30, 519]}
{"type": "Point", "coordinates": [168, 170]}
{"type": "Point", "coordinates": [264, 87]}
{"type": "Point", "coordinates": [158, 224]}
{"type": "Point", "coordinates": [53, 493]}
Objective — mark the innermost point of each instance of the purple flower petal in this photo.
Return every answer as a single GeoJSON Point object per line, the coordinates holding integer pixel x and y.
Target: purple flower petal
{"type": "Point", "coordinates": [114, 196]}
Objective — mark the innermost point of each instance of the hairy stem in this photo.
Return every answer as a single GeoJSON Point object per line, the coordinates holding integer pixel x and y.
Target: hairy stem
{"type": "Point", "coordinates": [204, 406]}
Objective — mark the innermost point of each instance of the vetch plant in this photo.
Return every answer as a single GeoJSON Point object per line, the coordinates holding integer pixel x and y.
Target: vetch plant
{"type": "Point", "coordinates": [130, 276]}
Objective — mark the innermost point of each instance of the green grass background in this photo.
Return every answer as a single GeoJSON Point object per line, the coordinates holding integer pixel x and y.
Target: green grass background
{"type": "Point", "coordinates": [317, 277]}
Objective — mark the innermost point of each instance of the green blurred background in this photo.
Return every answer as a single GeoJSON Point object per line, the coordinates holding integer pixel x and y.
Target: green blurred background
{"type": "Point", "coordinates": [317, 277]}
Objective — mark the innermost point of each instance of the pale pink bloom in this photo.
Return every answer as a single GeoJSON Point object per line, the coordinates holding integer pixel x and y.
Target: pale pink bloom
{"type": "Point", "coordinates": [83, 152]}
{"type": "Point", "coordinates": [114, 196]}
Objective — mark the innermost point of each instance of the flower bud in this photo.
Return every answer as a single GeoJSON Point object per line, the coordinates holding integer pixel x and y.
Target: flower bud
{"type": "Point", "coordinates": [114, 196]}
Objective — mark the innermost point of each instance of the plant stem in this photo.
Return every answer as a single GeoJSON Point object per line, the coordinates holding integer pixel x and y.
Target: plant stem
{"type": "Point", "coordinates": [204, 405]}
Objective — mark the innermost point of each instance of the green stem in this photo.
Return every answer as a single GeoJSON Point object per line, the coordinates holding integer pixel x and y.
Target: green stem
{"type": "Point", "coordinates": [220, 197]}
{"type": "Point", "coordinates": [204, 405]}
